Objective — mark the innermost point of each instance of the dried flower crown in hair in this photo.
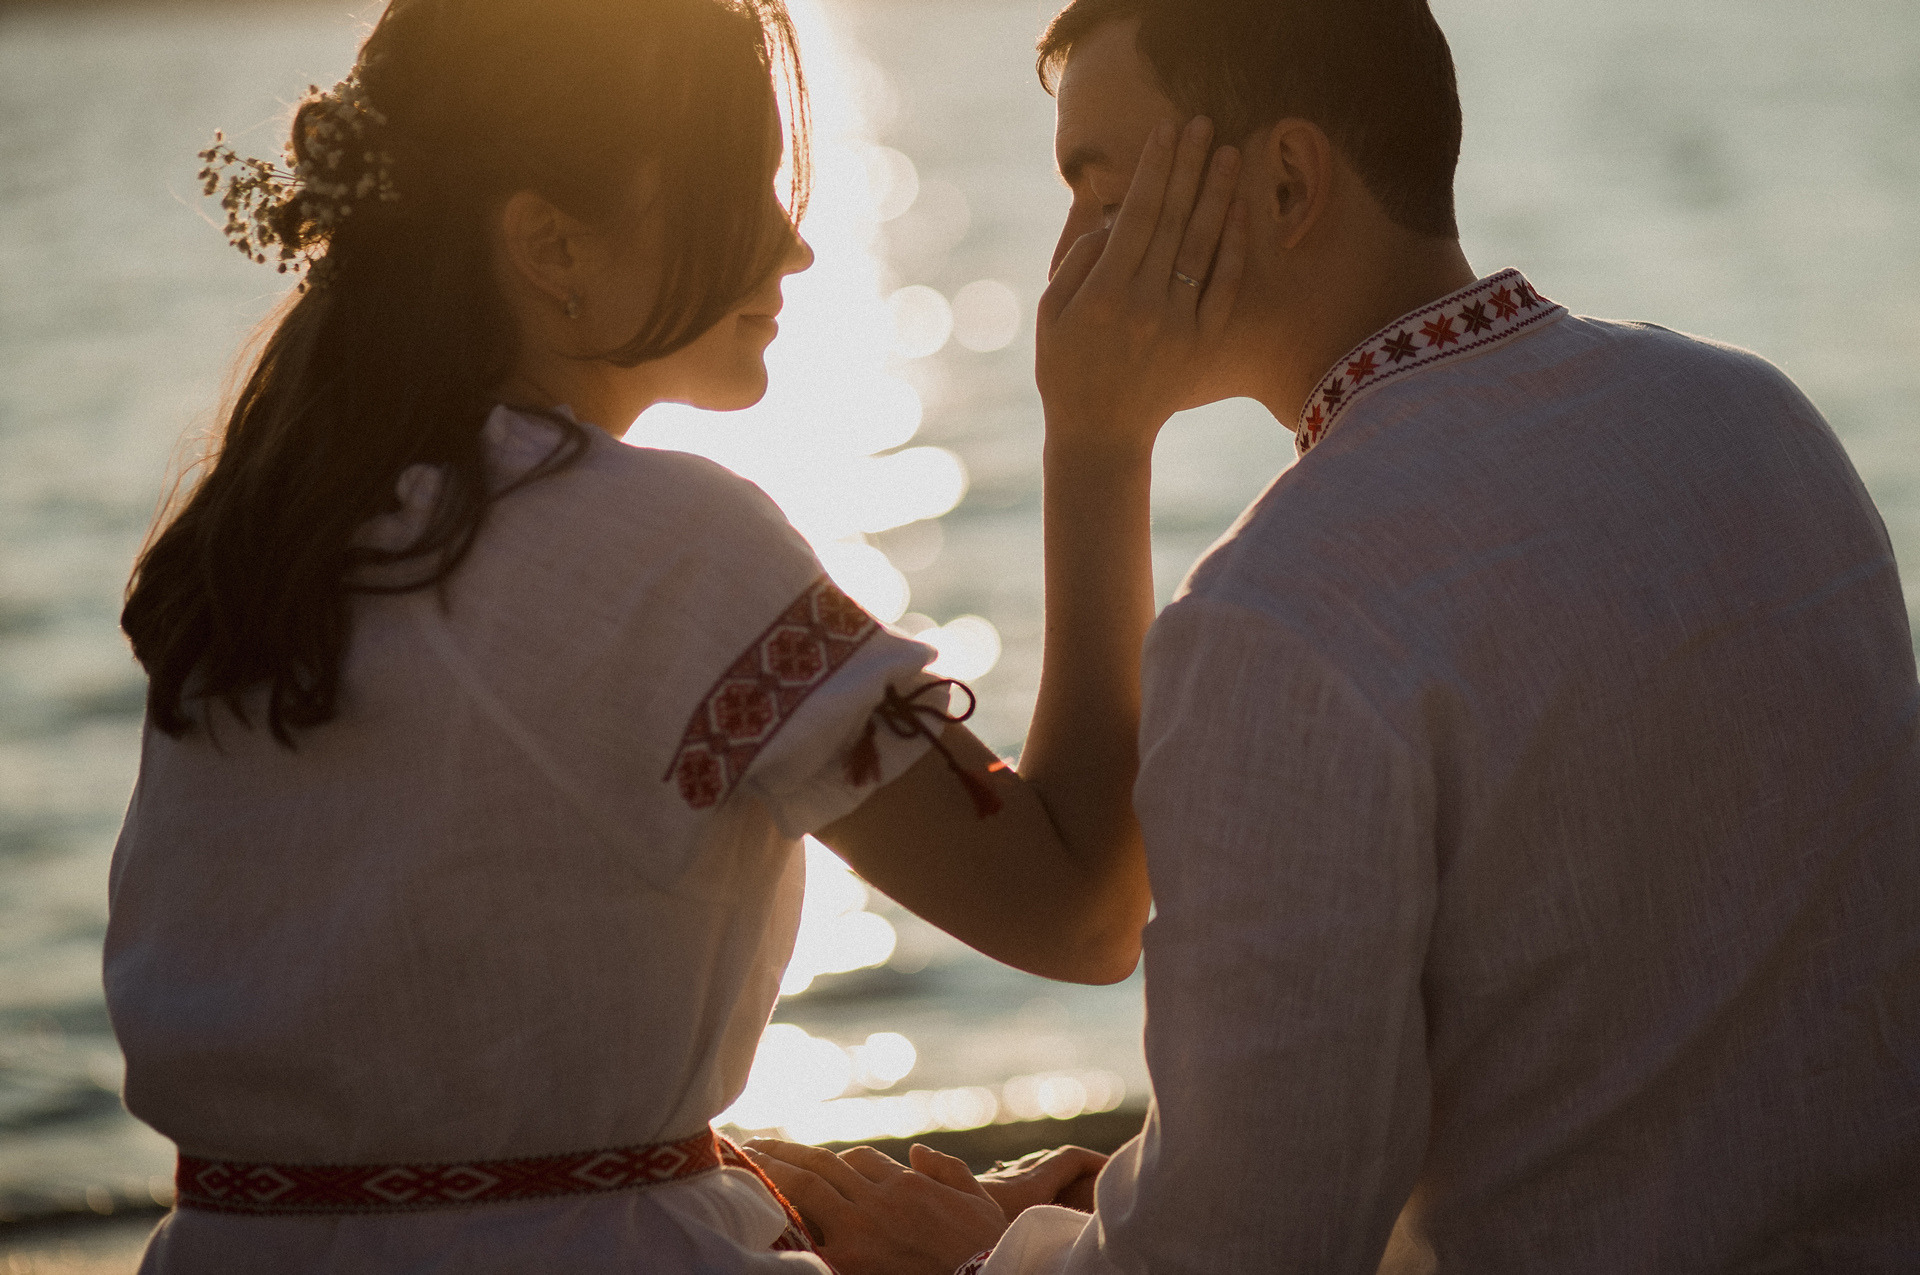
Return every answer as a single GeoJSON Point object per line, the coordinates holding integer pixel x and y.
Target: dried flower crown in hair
{"type": "Point", "coordinates": [295, 209]}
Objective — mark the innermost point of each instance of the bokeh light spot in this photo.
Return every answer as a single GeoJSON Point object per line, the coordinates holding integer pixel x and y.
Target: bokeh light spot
{"type": "Point", "coordinates": [969, 647]}
{"type": "Point", "coordinates": [868, 578]}
{"type": "Point", "coordinates": [892, 180]}
{"type": "Point", "coordinates": [922, 321]}
{"type": "Point", "coordinates": [986, 316]}
{"type": "Point", "coordinates": [910, 486]}
{"type": "Point", "coordinates": [884, 1060]}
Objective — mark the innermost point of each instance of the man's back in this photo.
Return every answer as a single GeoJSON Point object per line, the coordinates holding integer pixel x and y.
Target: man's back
{"type": "Point", "coordinates": [1532, 792]}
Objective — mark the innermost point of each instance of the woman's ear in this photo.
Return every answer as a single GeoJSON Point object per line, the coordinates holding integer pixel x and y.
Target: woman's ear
{"type": "Point", "coordinates": [544, 248]}
{"type": "Point", "coordinates": [1298, 160]}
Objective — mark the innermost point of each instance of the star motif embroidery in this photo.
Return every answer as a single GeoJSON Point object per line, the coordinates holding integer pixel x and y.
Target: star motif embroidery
{"type": "Point", "coordinates": [1490, 311]}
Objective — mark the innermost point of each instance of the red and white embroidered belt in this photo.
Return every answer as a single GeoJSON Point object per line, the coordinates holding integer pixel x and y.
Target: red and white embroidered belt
{"type": "Point", "coordinates": [225, 1186]}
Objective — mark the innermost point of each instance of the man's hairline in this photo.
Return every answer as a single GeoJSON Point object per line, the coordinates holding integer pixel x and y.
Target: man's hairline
{"type": "Point", "coordinates": [1056, 63]}
{"type": "Point", "coordinates": [1053, 64]}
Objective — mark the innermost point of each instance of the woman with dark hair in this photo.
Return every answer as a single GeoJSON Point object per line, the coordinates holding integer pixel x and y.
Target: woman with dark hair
{"type": "Point", "coordinates": [464, 861]}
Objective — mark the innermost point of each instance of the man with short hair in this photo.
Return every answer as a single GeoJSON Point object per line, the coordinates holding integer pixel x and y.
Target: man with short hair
{"type": "Point", "coordinates": [1530, 780]}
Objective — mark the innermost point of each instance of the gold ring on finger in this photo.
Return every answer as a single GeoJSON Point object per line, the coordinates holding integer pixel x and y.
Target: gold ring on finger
{"type": "Point", "coordinates": [1187, 279]}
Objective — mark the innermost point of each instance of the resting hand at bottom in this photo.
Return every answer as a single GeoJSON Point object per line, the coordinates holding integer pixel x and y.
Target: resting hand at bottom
{"type": "Point", "coordinates": [874, 1216]}
{"type": "Point", "coordinates": [1064, 1175]}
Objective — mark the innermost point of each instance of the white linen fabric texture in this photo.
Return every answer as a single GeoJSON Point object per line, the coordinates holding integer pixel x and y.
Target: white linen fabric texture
{"type": "Point", "coordinates": [1531, 792]}
{"type": "Point", "coordinates": [467, 920]}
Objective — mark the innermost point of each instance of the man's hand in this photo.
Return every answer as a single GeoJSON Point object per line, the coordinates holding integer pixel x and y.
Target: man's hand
{"type": "Point", "coordinates": [871, 1215]}
{"type": "Point", "coordinates": [1135, 313]}
{"type": "Point", "coordinates": [1064, 1175]}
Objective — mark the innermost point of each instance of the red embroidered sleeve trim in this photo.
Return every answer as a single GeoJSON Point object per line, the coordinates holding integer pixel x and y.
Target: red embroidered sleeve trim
{"type": "Point", "coordinates": [1488, 313]}
{"type": "Point", "coordinates": [975, 1264]}
{"type": "Point", "coordinates": [763, 688]}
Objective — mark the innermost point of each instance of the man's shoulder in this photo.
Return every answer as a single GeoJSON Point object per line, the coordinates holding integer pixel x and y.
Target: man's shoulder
{"type": "Point", "coordinates": [1581, 363]}
{"type": "Point", "coordinates": [1534, 466]}
{"type": "Point", "coordinates": [1632, 349]}
{"type": "Point", "coordinates": [1578, 398]}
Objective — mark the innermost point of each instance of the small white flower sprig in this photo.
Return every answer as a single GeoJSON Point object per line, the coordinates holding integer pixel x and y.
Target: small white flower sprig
{"type": "Point", "coordinates": [296, 208]}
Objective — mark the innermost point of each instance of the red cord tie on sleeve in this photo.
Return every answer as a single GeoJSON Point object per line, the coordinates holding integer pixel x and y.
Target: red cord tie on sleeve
{"type": "Point", "coordinates": [906, 717]}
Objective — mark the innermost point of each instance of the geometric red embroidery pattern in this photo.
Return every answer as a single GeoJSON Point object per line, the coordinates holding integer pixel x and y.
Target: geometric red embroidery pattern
{"type": "Point", "coordinates": [227, 1187]}
{"type": "Point", "coordinates": [221, 1186]}
{"type": "Point", "coordinates": [742, 712]}
{"type": "Point", "coordinates": [975, 1264]}
{"type": "Point", "coordinates": [1492, 311]}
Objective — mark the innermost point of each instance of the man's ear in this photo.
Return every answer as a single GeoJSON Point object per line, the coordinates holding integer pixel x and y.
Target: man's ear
{"type": "Point", "coordinates": [1298, 162]}
{"type": "Point", "coordinates": [543, 246]}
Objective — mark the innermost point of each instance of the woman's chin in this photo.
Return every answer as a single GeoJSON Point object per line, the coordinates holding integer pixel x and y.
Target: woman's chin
{"type": "Point", "coordinates": [737, 394]}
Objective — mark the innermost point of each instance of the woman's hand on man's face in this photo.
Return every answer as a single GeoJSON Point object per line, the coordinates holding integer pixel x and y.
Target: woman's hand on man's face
{"type": "Point", "coordinates": [1135, 313]}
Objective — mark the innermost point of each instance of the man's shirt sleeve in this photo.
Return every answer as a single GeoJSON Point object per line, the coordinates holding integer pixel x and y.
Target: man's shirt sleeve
{"type": "Point", "coordinates": [1289, 832]}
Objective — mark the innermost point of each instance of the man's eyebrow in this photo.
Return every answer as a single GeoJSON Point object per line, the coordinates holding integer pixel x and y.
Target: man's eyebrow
{"type": "Point", "coordinates": [1083, 157]}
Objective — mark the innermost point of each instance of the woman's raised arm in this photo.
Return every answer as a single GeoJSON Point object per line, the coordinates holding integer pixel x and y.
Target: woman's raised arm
{"type": "Point", "coordinates": [1055, 882]}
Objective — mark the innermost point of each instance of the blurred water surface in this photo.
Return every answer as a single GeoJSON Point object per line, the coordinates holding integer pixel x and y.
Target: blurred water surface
{"type": "Point", "coordinates": [1743, 169]}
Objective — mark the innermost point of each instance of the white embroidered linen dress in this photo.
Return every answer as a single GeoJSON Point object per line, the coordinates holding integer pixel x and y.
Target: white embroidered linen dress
{"type": "Point", "coordinates": [1530, 783]}
{"type": "Point", "coordinates": [531, 894]}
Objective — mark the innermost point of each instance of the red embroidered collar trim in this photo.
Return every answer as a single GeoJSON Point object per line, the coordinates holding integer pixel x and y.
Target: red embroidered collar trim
{"type": "Point", "coordinates": [761, 690]}
{"type": "Point", "coordinates": [221, 1186]}
{"type": "Point", "coordinates": [1488, 313]}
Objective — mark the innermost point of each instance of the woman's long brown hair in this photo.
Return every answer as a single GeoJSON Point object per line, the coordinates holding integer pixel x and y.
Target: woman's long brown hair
{"type": "Point", "coordinates": [395, 356]}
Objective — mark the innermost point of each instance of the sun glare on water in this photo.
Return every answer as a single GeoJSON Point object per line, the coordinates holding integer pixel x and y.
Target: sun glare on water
{"type": "Point", "coordinates": [833, 444]}
{"type": "Point", "coordinates": [812, 1090]}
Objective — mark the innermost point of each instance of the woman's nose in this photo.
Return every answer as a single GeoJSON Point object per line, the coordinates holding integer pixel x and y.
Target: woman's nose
{"type": "Point", "coordinates": [799, 257]}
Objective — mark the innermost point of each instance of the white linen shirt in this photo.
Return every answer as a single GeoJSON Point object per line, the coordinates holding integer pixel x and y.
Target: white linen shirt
{"type": "Point", "coordinates": [1531, 793]}
{"type": "Point", "coordinates": [498, 908]}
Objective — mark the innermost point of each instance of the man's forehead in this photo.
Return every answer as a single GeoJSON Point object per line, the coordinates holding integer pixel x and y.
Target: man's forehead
{"type": "Point", "coordinates": [1106, 102]}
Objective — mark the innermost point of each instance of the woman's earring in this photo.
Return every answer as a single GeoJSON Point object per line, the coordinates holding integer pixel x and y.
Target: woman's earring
{"type": "Point", "coordinates": [573, 306]}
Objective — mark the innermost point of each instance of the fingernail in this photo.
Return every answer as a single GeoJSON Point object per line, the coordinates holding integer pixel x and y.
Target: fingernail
{"type": "Point", "coordinates": [1165, 134]}
{"type": "Point", "coordinates": [1199, 127]}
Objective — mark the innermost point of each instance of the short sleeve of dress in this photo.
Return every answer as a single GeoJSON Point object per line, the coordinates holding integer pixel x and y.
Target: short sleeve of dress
{"type": "Point", "coordinates": [805, 776]}
{"type": "Point", "coordinates": [806, 668]}
{"type": "Point", "coordinates": [783, 720]}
